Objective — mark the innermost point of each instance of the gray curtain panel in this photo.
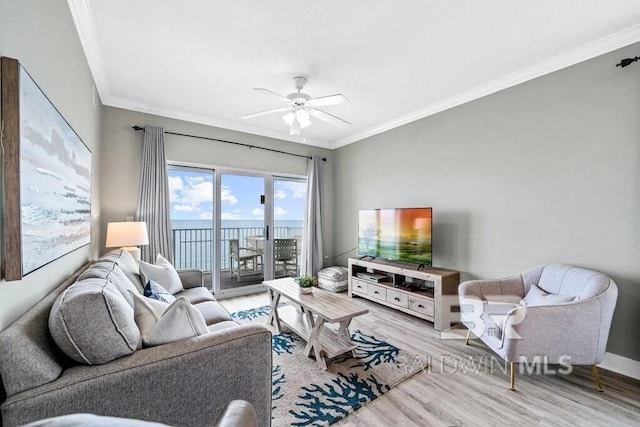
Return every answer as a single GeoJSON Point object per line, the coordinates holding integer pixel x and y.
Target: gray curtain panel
{"type": "Point", "coordinates": [153, 199]}
{"type": "Point", "coordinates": [312, 254]}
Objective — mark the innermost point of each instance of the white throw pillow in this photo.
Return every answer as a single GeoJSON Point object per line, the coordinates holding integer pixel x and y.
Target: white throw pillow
{"type": "Point", "coordinates": [537, 296]}
{"type": "Point", "coordinates": [162, 323]}
{"type": "Point", "coordinates": [147, 312]}
{"type": "Point", "coordinates": [163, 273]}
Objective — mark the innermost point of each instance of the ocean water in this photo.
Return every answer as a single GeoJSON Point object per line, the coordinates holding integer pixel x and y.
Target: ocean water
{"type": "Point", "coordinates": [193, 239]}
{"type": "Point", "coordinates": [233, 223]}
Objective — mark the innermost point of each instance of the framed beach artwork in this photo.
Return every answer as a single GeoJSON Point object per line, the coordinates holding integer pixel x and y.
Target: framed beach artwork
{"type": "Point", "coordinates": [47, 173]}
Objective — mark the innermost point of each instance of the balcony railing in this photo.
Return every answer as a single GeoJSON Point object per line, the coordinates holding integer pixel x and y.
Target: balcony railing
{"type": "Point", "coordinates": [193, 247]}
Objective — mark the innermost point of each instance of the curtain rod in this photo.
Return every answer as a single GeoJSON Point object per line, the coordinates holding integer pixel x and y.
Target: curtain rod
{"type": "Point", "coordinates": [136, 128]}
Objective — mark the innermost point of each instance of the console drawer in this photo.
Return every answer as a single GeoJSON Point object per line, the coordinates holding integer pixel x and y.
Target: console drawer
{"type": "Point", "coordinates": [358, 286]}
{"type": "Point", "coordinates": [397, 298]}
{"type": "Point", "coordinates": [421, 306]}
{"type": "Point", "coordinates": [376, 291]}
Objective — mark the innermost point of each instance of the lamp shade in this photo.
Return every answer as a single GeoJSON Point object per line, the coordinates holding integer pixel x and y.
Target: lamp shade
{"type": "Point", "coordinates": [126, 234]}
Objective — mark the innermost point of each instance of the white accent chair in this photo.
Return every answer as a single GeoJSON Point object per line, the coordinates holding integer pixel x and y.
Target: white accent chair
{"type": "Point", "coordinates": [564, 319]}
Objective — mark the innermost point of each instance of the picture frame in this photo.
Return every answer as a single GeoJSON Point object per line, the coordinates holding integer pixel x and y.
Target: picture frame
{"type": "Point", "coordinates": [47, 177]}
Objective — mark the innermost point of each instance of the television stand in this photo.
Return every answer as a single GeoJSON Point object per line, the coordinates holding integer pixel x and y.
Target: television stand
{"type": "Point", "coordinates": [428, 293]}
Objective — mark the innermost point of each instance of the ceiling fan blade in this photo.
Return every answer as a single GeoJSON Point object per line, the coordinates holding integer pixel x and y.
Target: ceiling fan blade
{"type": "Point", "coordinates": [329, 118]}
{"type": "Point", "coordinates": [328, 100]}
{"type": "Point", "coordinates": [270, 92]}
{"type": "Point", "coordinates": [263, 113]}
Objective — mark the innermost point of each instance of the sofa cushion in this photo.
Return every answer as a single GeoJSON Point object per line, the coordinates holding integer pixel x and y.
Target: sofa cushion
{"type": "Point", "coordinates": [213, 312]}
{"type": "Point", "coordinates": [108, 270]}
{"type": "Point", "coordinates": [155, 291]}
{"type": "Point", "coordinates": [537, 296]}
{"type": "Point", "coordinates": [573, 281]}
{"type": "Point", "coordinates": [127, 263]}
{"type": "Point", "coordinates": [161, 272]}
{"type": "Point", "coordinates": [196, 295]}
{"type": "Point", "coordinates": [180, 320]}
{"type": "Point", "coordinates": [225, 324]}
{"type": "Point", "coordinates": [93, 323]}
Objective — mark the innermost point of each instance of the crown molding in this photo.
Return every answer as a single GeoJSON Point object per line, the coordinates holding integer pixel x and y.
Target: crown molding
{"type": "Point", "coordinates": [128, 104]}
{"type": "Point", "coordinates": [591, 50]}
{"type": "Point", "coordinates": [85, 26]}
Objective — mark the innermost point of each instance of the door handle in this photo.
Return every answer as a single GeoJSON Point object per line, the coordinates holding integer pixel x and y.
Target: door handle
{"type": "Point", "coordinates": [266, 234]}
{"type": "Point", "coordinates": [397, 299]}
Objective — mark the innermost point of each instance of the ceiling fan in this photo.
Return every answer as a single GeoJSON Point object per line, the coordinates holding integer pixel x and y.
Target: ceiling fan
{"type": "Point", "coordinates": [299, 107]}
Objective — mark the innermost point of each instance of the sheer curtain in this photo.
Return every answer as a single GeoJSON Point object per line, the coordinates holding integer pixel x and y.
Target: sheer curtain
{"type": "Point", "coordinates": [153, 199]}
{"type": "Point", "coordinates": [312, 254]}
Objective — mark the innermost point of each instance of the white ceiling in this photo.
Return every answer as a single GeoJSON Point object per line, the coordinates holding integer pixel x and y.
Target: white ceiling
{"type": "Point", "coordinates": [396, 61]}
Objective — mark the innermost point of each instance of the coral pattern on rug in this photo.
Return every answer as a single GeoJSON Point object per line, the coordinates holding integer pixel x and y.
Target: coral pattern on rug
{"type": "Point", "coordinates": [305, 395]}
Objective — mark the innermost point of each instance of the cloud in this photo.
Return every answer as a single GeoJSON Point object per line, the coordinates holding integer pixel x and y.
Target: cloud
{"type": "Point", "coordinates": [198, 193]}
{"type": "Point", "coordinates": [175, 186]}
{"type": "Point", "coordinates": [229, 215]}
{"type": "Point", "coordinates": [226, 196]}
{"type": "Point", "coordinates": [280, 194]}
{"type": "Point", "coordinates": [206, 215]}
{"type": "Point", "coordinates": [278, 211]}
{"type": "Point", "coordinates": [185, 208]}
{"type": "Point", "coordinates": [257, 212]}
{"type": "Point", "coordinates": [195, 179]}
{"type": "Point", "coordinates": [298, 190]}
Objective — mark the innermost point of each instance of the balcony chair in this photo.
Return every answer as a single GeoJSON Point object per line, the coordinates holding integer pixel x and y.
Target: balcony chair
{"type": "Point", "coordinates": [247, 261]}
{"type": "Point", "coordinates": [553, 313]}
{"type": "Point", "coordinates": [285, 255]}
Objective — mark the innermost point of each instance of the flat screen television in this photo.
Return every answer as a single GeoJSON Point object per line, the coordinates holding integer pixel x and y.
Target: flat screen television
{"type": "Point", "coordinates": [401, 234]}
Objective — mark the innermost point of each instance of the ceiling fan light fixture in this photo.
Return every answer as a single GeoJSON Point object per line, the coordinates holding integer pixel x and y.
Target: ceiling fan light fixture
{"type": "Point", "coordinates": [295, 128]}
{"type": "Point", "coordinates": [299, 107]}
{"type": "Point", "coordinates": [302, 117]}
{"type": "Point", "coordinates": [289, 118]}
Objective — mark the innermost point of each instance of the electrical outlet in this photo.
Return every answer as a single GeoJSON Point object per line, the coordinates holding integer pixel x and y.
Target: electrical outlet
{"type": "Point", "coordinates": [326, 258]}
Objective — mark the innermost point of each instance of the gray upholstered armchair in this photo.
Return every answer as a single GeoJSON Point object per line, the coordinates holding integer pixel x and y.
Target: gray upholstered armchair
{"type": "Point", "coordinates": [553, 314]}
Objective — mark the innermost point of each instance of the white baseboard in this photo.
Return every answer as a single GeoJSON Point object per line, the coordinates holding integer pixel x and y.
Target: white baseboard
{"type": "Point", "coordinates": [622, 365]}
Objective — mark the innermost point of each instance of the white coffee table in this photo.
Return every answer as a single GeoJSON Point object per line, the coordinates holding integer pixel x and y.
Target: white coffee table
{"type": "Point", "coordinates": [317, 309]}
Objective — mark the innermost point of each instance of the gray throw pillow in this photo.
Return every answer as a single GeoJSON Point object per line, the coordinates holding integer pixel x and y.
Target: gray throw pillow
{"type": "Point", "coordinates": [537, 296]}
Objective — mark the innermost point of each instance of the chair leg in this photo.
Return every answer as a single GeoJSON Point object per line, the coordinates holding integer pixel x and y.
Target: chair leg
{"type": "Point", "coordinates": [596, 377]}
{"type": "Point", "coordinates": [468, 336]}
{"type": "Point", "coordinates": [513, 377]}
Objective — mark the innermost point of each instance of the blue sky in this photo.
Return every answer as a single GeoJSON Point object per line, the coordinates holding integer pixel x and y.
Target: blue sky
{"type": "Point", "coordinates": [191, 196]}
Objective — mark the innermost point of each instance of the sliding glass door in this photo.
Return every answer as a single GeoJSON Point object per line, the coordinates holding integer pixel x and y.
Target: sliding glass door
{"type": "Point", "coordinates": [289, 199]}
{"type": "Point", "coordinates": [192, 217]}
{"type": "Point", "coordinates": [240, 228]}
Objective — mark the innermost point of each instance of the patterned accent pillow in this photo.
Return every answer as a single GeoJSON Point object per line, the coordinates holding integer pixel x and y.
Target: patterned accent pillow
{"type": "Point", "coordinates": [156, 291]}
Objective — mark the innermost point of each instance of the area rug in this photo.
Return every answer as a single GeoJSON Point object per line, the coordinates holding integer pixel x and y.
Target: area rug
{"type": "Point", "coordinates": [305, 395]}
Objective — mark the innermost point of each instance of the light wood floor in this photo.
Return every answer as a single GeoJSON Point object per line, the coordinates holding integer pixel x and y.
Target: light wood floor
{"type": "Point", "coordinates": [450, 393]}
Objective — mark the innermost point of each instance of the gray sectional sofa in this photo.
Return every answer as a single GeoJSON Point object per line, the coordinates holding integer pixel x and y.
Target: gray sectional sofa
{"type": "Point", "coordinates": [186, 382]}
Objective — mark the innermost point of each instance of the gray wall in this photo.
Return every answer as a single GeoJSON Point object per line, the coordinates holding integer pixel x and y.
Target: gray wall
{"type": "Point", "coordinates": [543, 172]}
{"type": "Point", "coordinates": [123, 152]}
{"type": "Point", "coordinates": [41, 35]}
